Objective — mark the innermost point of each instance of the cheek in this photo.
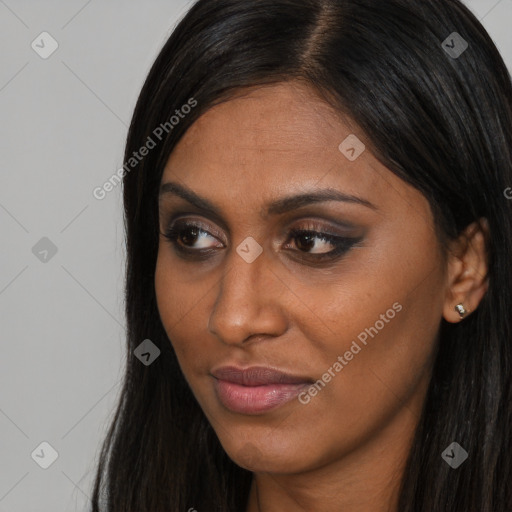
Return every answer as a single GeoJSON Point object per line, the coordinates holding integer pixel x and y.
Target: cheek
{"type": "Point", "coordinates": [167, 291]}
{"type": "Point", "coordinates": [386, 379]}
{"type": "Point", "coordinates": [181, 296]}
{"type": "Point", "coordinates": [174, 298]}
{"type": "Point", "coordinates": [383, 371]}
{"type": "Point", "coordinates": [383, 321]}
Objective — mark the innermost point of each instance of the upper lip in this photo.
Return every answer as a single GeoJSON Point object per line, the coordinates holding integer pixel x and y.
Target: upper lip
{"type": "Point", "coordinates": [257, 376]}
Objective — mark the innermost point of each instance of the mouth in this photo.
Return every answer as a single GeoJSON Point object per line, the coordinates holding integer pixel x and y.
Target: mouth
{"type": "Point", "coordinates": [257, 389]}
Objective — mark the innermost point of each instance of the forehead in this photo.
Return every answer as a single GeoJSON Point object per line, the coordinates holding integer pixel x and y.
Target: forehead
{"type": "Point", "coordinates": [275, 140]}
{"type": "Point", "coordinates": [267, 121]}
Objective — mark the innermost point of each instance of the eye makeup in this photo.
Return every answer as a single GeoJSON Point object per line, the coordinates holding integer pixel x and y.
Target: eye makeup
{"type": "Point", "coordinates": [195, 240]}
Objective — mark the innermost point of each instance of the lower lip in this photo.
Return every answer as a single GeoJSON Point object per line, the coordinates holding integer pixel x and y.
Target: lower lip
{"type": "Point", "coordinates": [255, 399]}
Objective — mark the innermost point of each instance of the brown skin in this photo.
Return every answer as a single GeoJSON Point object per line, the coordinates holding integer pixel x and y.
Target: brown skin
{"type": "Point", "coordinates": [346, 448]}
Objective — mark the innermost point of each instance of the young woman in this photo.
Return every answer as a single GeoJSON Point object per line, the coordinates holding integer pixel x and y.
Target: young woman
{"type": "Point", "coordinates": [319, 243]}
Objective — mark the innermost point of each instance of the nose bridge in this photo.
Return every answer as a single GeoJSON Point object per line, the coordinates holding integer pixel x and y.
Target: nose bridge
{"type": "Point", "coordinates": [246, 303]}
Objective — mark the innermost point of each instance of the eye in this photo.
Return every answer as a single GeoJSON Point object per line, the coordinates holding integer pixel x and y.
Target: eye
{"type": "Point", "coordinates": [318, 245]}
{"type": "Point", "coordinates": [190, 237]}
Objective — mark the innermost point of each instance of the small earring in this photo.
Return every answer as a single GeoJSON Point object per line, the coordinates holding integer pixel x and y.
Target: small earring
{"type": "Point", "coordinates": [461, 310]}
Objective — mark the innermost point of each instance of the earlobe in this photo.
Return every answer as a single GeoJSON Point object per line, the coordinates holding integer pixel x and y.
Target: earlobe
{"type": "Point", "coordinates": [467, 280]}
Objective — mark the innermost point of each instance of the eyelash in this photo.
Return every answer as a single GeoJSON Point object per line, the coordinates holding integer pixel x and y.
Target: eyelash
{"type": "Point", "coordinates": [341, 244]}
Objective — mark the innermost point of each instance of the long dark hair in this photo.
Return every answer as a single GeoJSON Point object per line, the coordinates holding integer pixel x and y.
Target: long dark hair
{"type": "Point", "coordinates": [439, 121]}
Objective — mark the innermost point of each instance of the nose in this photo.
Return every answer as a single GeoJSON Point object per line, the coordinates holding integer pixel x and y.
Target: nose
{"type": "Point", "coordinates": [248, 303]}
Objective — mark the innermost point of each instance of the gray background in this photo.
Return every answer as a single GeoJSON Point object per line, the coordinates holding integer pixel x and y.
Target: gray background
{"type": "Point", "coordinates": [63, 124]}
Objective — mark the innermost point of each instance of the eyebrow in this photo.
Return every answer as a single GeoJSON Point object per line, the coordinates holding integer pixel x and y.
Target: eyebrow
{"type": "Point", "coordinates": [276, 207]}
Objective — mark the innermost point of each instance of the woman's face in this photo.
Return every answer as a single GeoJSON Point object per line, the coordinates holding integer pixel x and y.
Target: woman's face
{"type": "Point", "coordinates": [350, 309]}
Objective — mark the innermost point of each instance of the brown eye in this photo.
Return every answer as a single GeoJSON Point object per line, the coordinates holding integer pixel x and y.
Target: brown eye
{"type": "Point", "coordinates": [189, 235]}
{"type": "Point", "coordinates": [185, 235]}
{"type": "Point", "coordinates": [306, 241]}
{"type": "Point", "coordinates": [193, 240]}
{"type": "Point", "coordinates": [318, 245]}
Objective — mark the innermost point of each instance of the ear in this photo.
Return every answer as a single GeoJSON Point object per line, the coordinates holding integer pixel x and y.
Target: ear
{"type": "Point", "coordinates": [467, 279]}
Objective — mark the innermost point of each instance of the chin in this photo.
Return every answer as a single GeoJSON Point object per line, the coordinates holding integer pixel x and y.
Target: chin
{"type": "Point", "coordinates": [265, 457]}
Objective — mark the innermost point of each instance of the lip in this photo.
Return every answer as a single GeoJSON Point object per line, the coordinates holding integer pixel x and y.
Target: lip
{"type": "Point", "coordinates": [257, 389]}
